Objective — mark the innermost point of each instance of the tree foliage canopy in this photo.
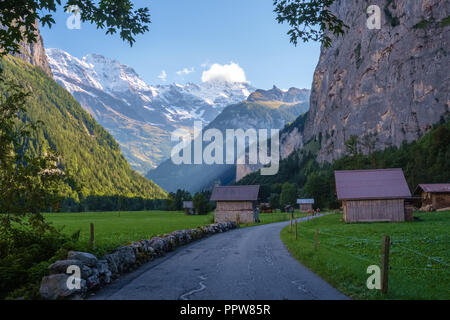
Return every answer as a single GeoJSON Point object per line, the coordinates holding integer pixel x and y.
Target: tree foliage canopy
{"type": "Point", "coordinates": [28, 183]}
{"type": "Point", "coordinates": [309, 20]}
{"type": "Point", "coordinates": [19, 16]}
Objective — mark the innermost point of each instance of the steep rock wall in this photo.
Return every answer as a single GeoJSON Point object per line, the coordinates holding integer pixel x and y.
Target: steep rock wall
{"type": "Point", "coordinates": [34, 53]}
{"type": "Point", "coordinates": [384, 86]}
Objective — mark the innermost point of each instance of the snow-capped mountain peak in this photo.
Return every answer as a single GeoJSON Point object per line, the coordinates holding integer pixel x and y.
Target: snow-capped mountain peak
{"type": "Point", "coordinates": [129, 108]}
{"type": "Point", "coordinates": [96, 71]}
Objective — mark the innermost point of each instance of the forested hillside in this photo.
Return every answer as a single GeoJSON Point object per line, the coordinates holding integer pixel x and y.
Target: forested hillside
{"type": "Point", "coordinates": [88, 153]}
{"type": "Point", "coordinates": [426, 160]}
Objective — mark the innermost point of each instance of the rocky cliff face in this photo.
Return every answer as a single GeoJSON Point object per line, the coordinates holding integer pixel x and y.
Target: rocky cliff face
{"type": "Point", "coordinates": [34, 53]}
{"type": "Point", "coordinates": [384, 86]}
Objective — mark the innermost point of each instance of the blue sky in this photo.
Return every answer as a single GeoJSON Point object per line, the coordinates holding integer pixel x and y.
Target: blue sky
{"type": "Point", "coordinates": [192, 35]}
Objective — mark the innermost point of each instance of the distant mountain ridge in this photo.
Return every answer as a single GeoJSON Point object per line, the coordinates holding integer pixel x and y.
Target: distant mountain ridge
{"type": "Point", "coordinates": [257, 112]}
{"type": "Point", "coordinates": [293, 95]}
{"type": "Point", "coordinates": [140, 116]}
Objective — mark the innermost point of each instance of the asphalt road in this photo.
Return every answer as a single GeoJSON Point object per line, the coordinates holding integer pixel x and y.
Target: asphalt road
{"type": "Point", "coordinates": [241, 264]}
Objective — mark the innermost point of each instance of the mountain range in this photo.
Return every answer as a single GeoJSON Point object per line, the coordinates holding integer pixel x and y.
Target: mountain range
{"type": "Point", "coordinates": [263, 109]}
{"type": "Point", "coordinates": [141, 117]}
{"type": "Point", "coordinates": [365, 88]}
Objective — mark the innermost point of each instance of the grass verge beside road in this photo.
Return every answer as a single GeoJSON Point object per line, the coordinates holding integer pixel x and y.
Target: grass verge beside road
{"type": "Point", "coordinates": [114, 229]}
{"type": "Point", "coordinates": [419, 255]}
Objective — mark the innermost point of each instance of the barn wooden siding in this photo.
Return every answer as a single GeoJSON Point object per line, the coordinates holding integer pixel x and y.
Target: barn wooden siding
{"type": "Point", "coordinates": [231, 210]}
{"type": "Point", "coordinates": [374, 210]}
{"type": "Point", "coordinates": [304, 207]}
{"type": "Point", "coordinates": [437, 200]}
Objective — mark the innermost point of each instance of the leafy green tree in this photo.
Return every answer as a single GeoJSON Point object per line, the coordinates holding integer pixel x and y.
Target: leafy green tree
{"type": "Point", "coordinates": [351, 145]}
{"type": "Point", "coordinates": [19, 17]}
{"type": "Point", "coordinates": [288, 194]}
{"type": "Point", "coordinates": [274, 200]}
{"type": "Point", "coordinates": [201, 204]}
{"type": "Point", "coordinates": [276, 188]}
{"type": "Point", "coordinates": [309, 20]}
{"type": "Point", "coordinates": [318, 187]}
{"type": "Point", "coordinates": [28, 184]}
{"type": "Point", "coordinates": [179, 197]}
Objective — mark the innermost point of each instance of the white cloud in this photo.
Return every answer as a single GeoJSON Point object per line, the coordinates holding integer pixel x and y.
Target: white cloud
{"type": "Point", "coordinates": [229, 72]}
{"type": "Point", "coordinates": [163, 75]}
{"type": "Point", "coordinates": [185, 71]}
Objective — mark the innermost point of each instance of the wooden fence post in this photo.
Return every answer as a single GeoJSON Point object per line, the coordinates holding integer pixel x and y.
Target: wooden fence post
{"type": "Point", "coordinates": [290, 222]}
{"type": "Point", "coordinates": [385, 263]}
{"type": "Point", "coordinates": [238, 219]}
{"type": "Point", "coordinates": [296, 229]}
{"type": "Point", "coordinates": [91, 241]}
{"type": "Point", "coordinates": [316, 239]}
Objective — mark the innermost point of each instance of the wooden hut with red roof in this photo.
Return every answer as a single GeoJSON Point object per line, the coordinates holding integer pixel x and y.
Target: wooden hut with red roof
{"type": "Point", "coordinates": [373, 195]}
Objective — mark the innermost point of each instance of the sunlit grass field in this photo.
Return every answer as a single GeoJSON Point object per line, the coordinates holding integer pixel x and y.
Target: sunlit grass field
{"type": "Point", "coordinates": [419, 255]}
{"type": "Point", "coordinates": [114, 229]}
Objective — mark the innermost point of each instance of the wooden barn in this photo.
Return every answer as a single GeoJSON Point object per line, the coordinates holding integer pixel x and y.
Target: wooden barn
{"type": "Point", "coordinates": [235, 203]}
{"type": "Point", "coordinates": [373, 195]}
{"type": "Point", "coordinates": [188, 207]}
{"type": "Point", "coordinates": [434, 196]}
{"type": "Point", "coordinates": [305, 205]}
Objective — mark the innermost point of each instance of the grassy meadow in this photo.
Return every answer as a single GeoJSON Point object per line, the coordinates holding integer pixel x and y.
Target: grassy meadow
{"type": "Point", "coordinates": [419, 255]}
{"type": "Point", "coordinates": [113, 229]}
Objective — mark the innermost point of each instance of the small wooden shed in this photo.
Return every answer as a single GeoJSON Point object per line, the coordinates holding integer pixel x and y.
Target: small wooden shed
{"type": "Point", "coordinates": [236, 203]}
{"type": "Point", "coordinates": [305, 205]}
{"type": "Point", "coordinates": [373, 195]}
{"type": "Point", "coordinates": [188, 207]}
{"type": "Point", "coordinates": [434, 195]}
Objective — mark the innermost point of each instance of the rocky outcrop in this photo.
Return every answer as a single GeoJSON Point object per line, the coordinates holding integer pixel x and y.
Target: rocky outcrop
{"type": "Point", "coordinates": [385, 86]}
{"type": "Point", "coordinates": [96, 273]}
{"type": "Point", "coordinates": [293, 95]}
{"type": "Point", "coordinates": [290, 140]}
{"type": "Point", "coordinates": [34, 53]}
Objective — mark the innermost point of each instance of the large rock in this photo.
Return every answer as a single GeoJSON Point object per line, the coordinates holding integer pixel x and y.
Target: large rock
{"type": "Point", "coordinates": [94, 280]}
{"type": "Point", "coordinates": [104, 272]}
{"type": "Point", "coordinates": [61, 266]}
{"type": "Point", "coordinates": [34, 53]}
{"type": "Point", "coordinates": [113, 261]}
{"type": "Point", "coordinates": [172, 241]}
{"type": "Point", "coordinates": [384, 86]}
{"type": "Point", "coordinates": [126, 258]}
{"type": "Point", "coordinates": [87, 259]}
{"type": "Point", "coordinates": [160, 245]}
{"type": "Point", "coordinates": [55, 287]}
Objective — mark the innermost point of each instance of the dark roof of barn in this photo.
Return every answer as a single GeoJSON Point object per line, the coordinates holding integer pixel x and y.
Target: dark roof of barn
{"type": "Point", "coordinates": [371, 184]}
{"type": "Point", "coordinates": [235, 193]}
{"type": "Point", "coordinates": [434, 187]}
{"type": "Point", "coordinates": [188, 205]}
